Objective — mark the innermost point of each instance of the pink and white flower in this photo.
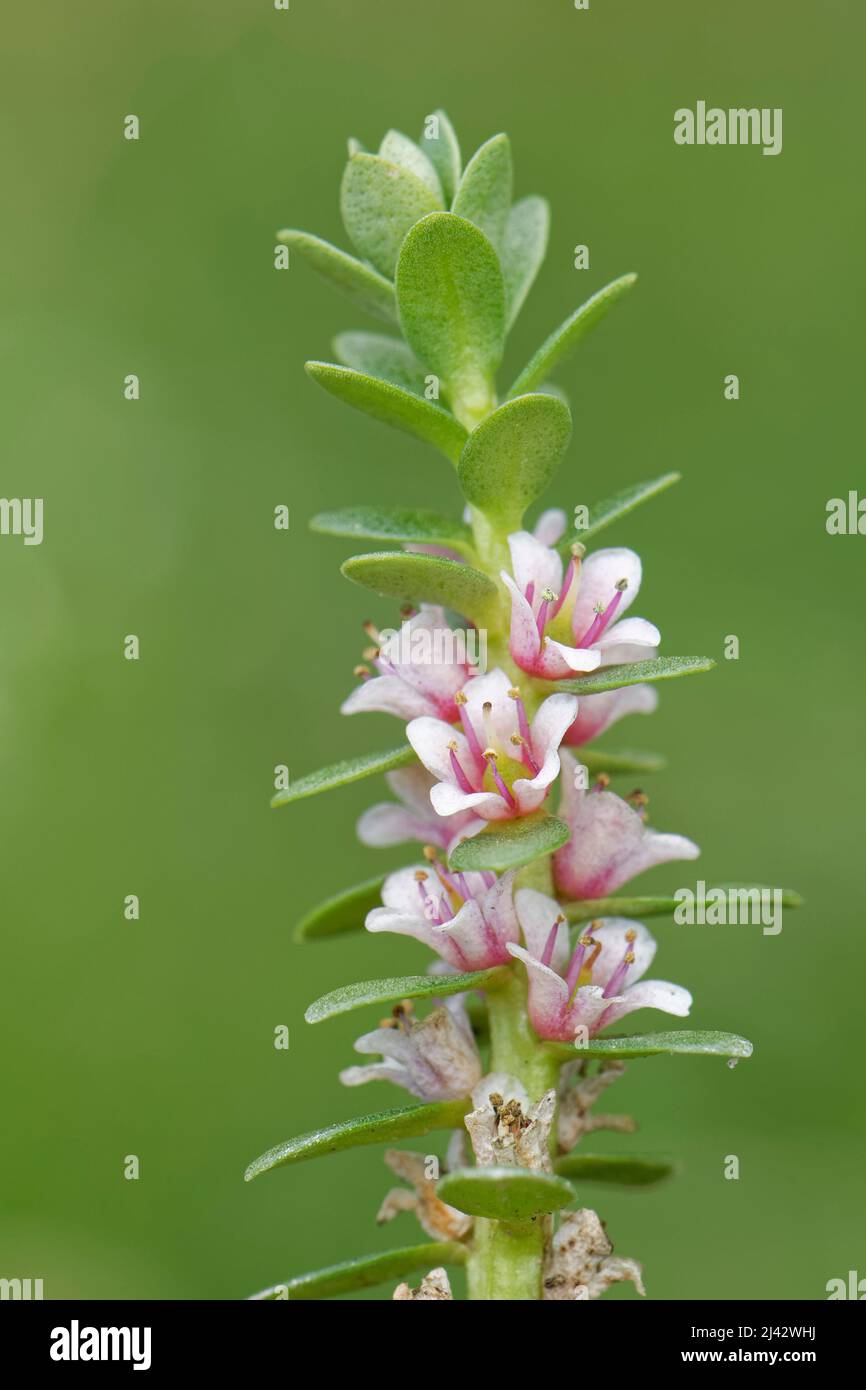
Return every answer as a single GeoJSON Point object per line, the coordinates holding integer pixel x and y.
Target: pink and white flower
{"type": "Point", "coordinates": [421, 668]}
{"type": "Point", "coordinates": [466, 918]}
{"type": "Point", "coordinates": [434, 1058]}
{"type": "Point", "coordinates": [609, 843]}
{"type": "Point", "coordinates": [563, 625]}
{"type": "Point", "coordinates": [499, 766]}
{"type": "Point", "coordinates": [598, 982]}
{"type": "Point", "coordinates": [390, 823]}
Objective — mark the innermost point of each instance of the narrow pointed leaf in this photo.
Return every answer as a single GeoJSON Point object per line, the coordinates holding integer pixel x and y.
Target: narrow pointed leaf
{"type": "Point", "coordinates": [523, 250]}
{"type": "Point", "coordinates": [340, 774]}
{"type": "Point", "coordinates": [569, 334]}
{"type": "Point", "coordinates": [393, 406]}
{"type": "Point", "coordinates": [360, 282]}
{"type": "Point", "coordinates": [686, 1042]}
{"type": "Point", "coordinates": [597, 760]}
{"type": "Point", "coordinates": [603, 514]}
{"type": "Point", "coordinates": [504, 1194]}
{"type": "Point", "coordinates": [624, 1170]}
{"type": "Point", "coordinates": [658, 906]}
{"type": "Point", "coordinates": [388, 359]}
{"type": "Point", "coordinates": [660, 668]}
{"type": "Point", "coordinates": [394, 524]}
{"type": "Point", "coordinates": [357, 996]}
{"type": "Point", "coordinates": [425, 579]}
{"type": "Point", "coordinates": [452, 307]}
{"type": "Point", "coordinates": [509, 844]}
{"type": "Point", "coordinates": [510, 458]}
{"type": "Point", "coordinates": [399, 149]}
{"type": "Point", "coordinates": [366, 1272]}
{"type": "Point", "coordinates": [381, 1128]}
{"type": "Point", "coordinates": [484, 192]}
{"type": "Point", "coordinates": [380, 201]}
{"type": "Point", "coordinates": [344, 912]}
{"type": "Point", "coordinates": [443, 151]}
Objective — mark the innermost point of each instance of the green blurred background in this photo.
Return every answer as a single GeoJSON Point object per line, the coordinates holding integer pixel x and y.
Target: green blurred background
{"type": "Point", "coordinates": [155, 1038]}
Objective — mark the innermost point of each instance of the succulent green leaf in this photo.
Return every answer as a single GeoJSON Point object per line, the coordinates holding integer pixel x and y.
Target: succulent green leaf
{"type": "Point", "coordinates": [452, 307]}
{"type": "Point", "coordinates": [344, 912]}
{"type": "Point", "coordinates": [360, 282]}
{"type": "Point", "coordinates": [357, 996]}
{"type": "Point", "coordinates": [340, 774]}
{"type": "Point", "coordinates": [392, 406]}
{"type": "Point", "coordinates": [508, 461]}
{"type": "Point", "coordinates": [660, 668]}
{"type": "Point", "coordinates": [597, 760]}
{"type": "Point", "coordinates": [399, 149]}
{"type": "Point", "coordinates": [388, 359]}
{"type": "Point", "coordinates": [366, 1272]}
{"type": "Point", "coordinates": [523, 250]}
{"type": "Point", "coordinates": [603, 514]}
{"type": "Point", "coordinates": [624, 1170]}
{"type": "Point", "coordinates": [504, 1194]}
{"type": "Point", "coordinates": [443, 151]}
{"type": "Point", "coordinates": [674, 1044]}
{"type": "Point", "coordinates": [380, 201]}
{"type": "Point", "coordinates": [569, 334]}
{"type": "Point", "coordinates": [425, 579]}
{"type": "Point", "coordinates": [484, 192]}
{"type": "Point", "coordinates": [394, 524]}
{"type": "Point", "coordinates": [509, 844]}
{"type": "Point", "coordinates": [658, 906]}
{"type": "Point", "coordinates": [381, 1128]}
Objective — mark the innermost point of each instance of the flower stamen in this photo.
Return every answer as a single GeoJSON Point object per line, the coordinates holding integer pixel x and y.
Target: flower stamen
{"type": "Point", "coordinates": [604, 616]}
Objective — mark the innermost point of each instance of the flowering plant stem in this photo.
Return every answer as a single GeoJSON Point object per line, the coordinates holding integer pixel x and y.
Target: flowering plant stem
{"type": "Point", "coordinates": [516, 843]}
{"type": "Point", "coordinates": [505, 1259]}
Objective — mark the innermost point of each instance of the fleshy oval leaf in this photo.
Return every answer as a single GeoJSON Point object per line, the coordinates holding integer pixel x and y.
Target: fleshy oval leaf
{"type": "Point", "coordinates": [569, 334]}
{"type": "Point", "coordinates": [659, 668]}
{"type": "Point", "coordinates": [379, 202]}
{"type": "Point", "coordinates": [439, 142]}
{"type": "Point", "coordinates": [377, 355]}
{"type": "Point", "coordinates": [680, 1043]}
{"type": "Point", "coordinates": [425, 579]}
{"type": "Point", "coordinates": [663, 906]}
{"type": "Point", "coordinates": [510, 844]}
{"type": "Point", "coordinates": [394, 524]}
{"type": "Point", "coordinates": [597, 760]}
{"type": "Point", "coordinates": [504, 1194]}
{"type": "Point", "coordinates": [380, 1128]}
{"type": "Point", "coordinates": [365, 1272]}
{"type": "Point", "coordinates": [393, 406]}
{"type": "Point", "coordinates": [620, 1170]}
{"type": "Point", "coordinates": [523, 250]}
{"type": "Point", "coordinates": [357, 996]}
{"type": "Point", "coordinates": [399, 149]}
{"type": "Point", "coordinates": [370, 290]}
{"type": "Point", "coordinates": [484, 192]}
{"type": "Point", "coordinates": [510, 458]}
{"type": "Point", "coordinates": [451, 301]}
{"type": "Point", "coordinates": [341, 773]}
{"type": "Point", "coordinates": [602, 514]}
{"type": "Point", "coordinates": [344, 912]}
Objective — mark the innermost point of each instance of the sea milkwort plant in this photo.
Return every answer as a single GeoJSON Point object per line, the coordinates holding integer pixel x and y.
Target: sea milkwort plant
{"type": "Point", "coordinates": [522, 847]}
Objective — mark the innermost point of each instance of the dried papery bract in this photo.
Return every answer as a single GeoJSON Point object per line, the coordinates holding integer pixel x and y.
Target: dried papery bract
{"type": "Point", "coordinates": [497, 645]}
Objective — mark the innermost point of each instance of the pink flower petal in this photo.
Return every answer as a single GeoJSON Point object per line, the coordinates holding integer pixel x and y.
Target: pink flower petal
{"type": "Point", "coordinates": [597, 712]}
{"type": "Point", "coordinates": [600, 573]}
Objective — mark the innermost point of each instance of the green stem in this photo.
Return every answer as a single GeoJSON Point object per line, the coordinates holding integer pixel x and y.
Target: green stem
{"type": "Point", "coordinates": [507, 1257]}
